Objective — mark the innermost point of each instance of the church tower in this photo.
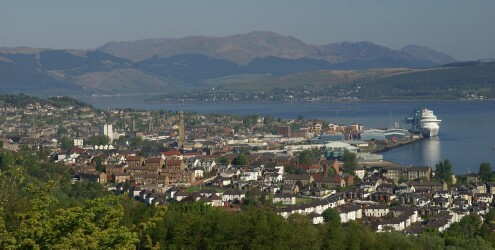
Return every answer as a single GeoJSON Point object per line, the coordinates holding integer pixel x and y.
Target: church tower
{"type": "Point", "coordinates": [182, 135]}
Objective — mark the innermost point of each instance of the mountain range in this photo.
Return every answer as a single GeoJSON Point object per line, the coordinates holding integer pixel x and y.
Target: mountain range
{"type": "Point", "coordinates": [244, 48]}
{"type": "Point", "coordinates": [164, 65]}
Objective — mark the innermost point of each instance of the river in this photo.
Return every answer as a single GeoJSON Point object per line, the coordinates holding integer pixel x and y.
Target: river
{"type": "Point", "coordinates": [466, 136]}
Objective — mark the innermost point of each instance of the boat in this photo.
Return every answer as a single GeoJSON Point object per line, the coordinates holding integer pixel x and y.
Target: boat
{"type": "Point", "coordinates": [424, 122]}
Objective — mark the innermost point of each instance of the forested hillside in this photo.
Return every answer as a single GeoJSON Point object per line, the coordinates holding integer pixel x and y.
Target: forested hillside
{"type": "Point", "coordinates": [451, 82]}
{"type": "Point", "coordinates": [41, 209]}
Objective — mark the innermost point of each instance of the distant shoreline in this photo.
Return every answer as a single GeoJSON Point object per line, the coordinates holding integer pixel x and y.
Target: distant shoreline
{"type": "Point", "coordinates": [153, 100]}
{"type": "Point", "coordinates": [388, 148]}
{"type": "Point", "coordinates": [281, 102]}
{"type": "Point", "coordinates": [322, 101]}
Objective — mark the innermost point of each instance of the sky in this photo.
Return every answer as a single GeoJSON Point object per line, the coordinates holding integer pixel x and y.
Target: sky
{"type": "Point", "coordinates": [462, 29]}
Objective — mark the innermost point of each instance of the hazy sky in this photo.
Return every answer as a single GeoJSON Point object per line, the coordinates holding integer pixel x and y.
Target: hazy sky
{"type": "Point", "coordinates": [463, 29]}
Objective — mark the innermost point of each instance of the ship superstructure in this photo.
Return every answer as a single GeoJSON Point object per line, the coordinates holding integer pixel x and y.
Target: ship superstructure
{"type": "Point", "coordinates": [424, 122]}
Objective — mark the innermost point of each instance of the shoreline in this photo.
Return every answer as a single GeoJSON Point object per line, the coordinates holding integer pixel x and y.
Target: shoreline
{"type": "Point", "coordinates": [153, 102]}
{"type": "Point", "coordinates": [388, 148]}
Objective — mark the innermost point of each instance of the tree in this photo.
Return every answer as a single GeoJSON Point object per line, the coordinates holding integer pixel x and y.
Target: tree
{"type": "Point", "coordinates": [443, 171]}
{"type": "Point", "coordinates": [136, 142]}
{"type": "Point", "coordinates": [268, 119]}
{"type": "Point", "coordinates": [304, 234]}
{"type": "Point", "coordinates": [250, 120]}
{"type": "Point", "coordinates": [66, 142]}
{"type": "Point", "coordinates": [331, 215]}
{"type": "Point", "coordinates": [468, 227]}
{"type": "Point", "coordinates": [98, 140]}
{"type": "Point", "coordinates": [350, 162]}
{"type": "Point", "coordinates": [152, 146]}
{"type": "Point", "coordinates": [403, 178]}
{"type": "Point", "coordinates": [485, 171]}
{"type": "Point", "coordinates": [490, 216]}
{"type": "Point", "coordinates": [121, 141]}
{"type": "Point", "coordinates": [240, 160]}
{"type": "Point", "coordinates": [357, 236]}
{"type": "Point", "coordinates": [461, 179]}
{"type": "Point", "coordinates": [98, 161]}
{"type": "Point", "coordinates": [254, 197]}
{"type": "Point", "coordinates": [7, 159]}
{"type": "Point", "coordinates": [304, 157]}
{"type": "Point", "coordinates": [332, 236]}
{"type": "Point", "coordinates": [291, 169]}
{"type": "Point", "coordinates": [331, 171]}
{"type": "Point", "coordinates": [223, 160]}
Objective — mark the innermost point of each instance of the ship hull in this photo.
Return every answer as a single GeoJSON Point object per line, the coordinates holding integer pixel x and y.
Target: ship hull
{"type": "Point", "coordinates": [427, 132]}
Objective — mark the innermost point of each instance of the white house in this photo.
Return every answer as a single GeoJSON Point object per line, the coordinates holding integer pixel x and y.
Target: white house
{"type": "Point", "coordinates": [280, 169]}
{"type": "Point", "coordinates": [349, 212]}
{"type": "Point", "coordinates": [180, 195]}
{"type": "Point", "coordinates": [250, 176]}
{"type": "Point", "coordinates": [273, 177]}
{"type": "Point", "coordinates": [286, 199]}
{"type": "Point", "coordinates": [369, 186]}
{"type": "Point", "coordinates": [198, 173]}
{"type": "Point", "coordinates": [483, 197]}
{"type": "Point", "coordinates": [360, 173]}
{"type": "Point", "coordinates": [233, 195]}
{"type": "Point", "coordinates": [378, 210]}
{"type": "Point", "coordinates": [394, 224]}
{"type": "Point", "coordinates": [316, 218]}
{"type": "Point", "coordinates": [440, 202]}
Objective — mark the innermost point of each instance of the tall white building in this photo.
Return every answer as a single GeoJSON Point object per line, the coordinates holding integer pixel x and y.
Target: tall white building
{"type": "Point", "coordinates": [107, 130]}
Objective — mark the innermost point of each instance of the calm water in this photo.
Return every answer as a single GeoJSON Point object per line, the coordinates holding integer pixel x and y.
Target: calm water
{"type": "Point", "coordinates": [466, 137]}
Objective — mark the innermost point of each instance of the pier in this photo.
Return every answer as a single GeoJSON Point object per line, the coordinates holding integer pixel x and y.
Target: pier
{"type": "Point", "coordinates": [385, 146]}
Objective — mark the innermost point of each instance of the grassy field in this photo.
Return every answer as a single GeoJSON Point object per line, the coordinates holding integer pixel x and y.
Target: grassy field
{"type": "Point", "coordinates": [197, 188]}
{"type": "Point", "coordinates": [239, 78]}
{"type": "Point", "coordinates": [302, 200]}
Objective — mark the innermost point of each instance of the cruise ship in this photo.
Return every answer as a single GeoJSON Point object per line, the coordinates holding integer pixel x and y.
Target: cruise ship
{"type": "Point", "coordinates": [424, 121]}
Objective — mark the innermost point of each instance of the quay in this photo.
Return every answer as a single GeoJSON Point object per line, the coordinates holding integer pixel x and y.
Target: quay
{"type": "Point", "coordinates": [387, 145]}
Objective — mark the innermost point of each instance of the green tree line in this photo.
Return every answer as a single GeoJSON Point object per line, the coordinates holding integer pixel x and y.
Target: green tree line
{"type": "Point", "coordinates": [41, 209]}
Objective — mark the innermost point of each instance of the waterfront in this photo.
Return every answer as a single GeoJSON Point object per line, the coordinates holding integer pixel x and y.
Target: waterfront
{"type": "Point", "coordinates": [466, 135]}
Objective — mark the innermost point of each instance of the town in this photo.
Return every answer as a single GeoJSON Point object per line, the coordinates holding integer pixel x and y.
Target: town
{"type": "Point", "coordinates": [290, 166]}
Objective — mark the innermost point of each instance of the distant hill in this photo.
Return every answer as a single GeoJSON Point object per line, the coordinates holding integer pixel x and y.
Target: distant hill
{"type": "Point", "coordinates": [56, 72]}
{"type": "Point", "coordinates": [428, 55]}
{"type": "Point", "coordinates": [197, 69]}
{"type": "Point", "coordinates": [197, 63]}
{"type": "Point", "coordinates": [190, 68]}
{"type": "Point", "coordinates": [240, 49]}
{"type": "Point", "coordinates": [452, 81]}
{"type": "Point", "coordinates": [23, 73]}
{"type": "Point", "coordinates": [315, 79]}
{"type": "Point", "coordinates": [244, 48]}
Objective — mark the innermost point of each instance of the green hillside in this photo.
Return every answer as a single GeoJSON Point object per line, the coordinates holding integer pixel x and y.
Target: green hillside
{"type": "Point", "coordinates": [456, 81]}
{"type": "Point", "coordinates": [316, 79]}
{"type": "Point", "coordinates": [439, 83]}
{"type": "Point", "coordinates": [68, 72]}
